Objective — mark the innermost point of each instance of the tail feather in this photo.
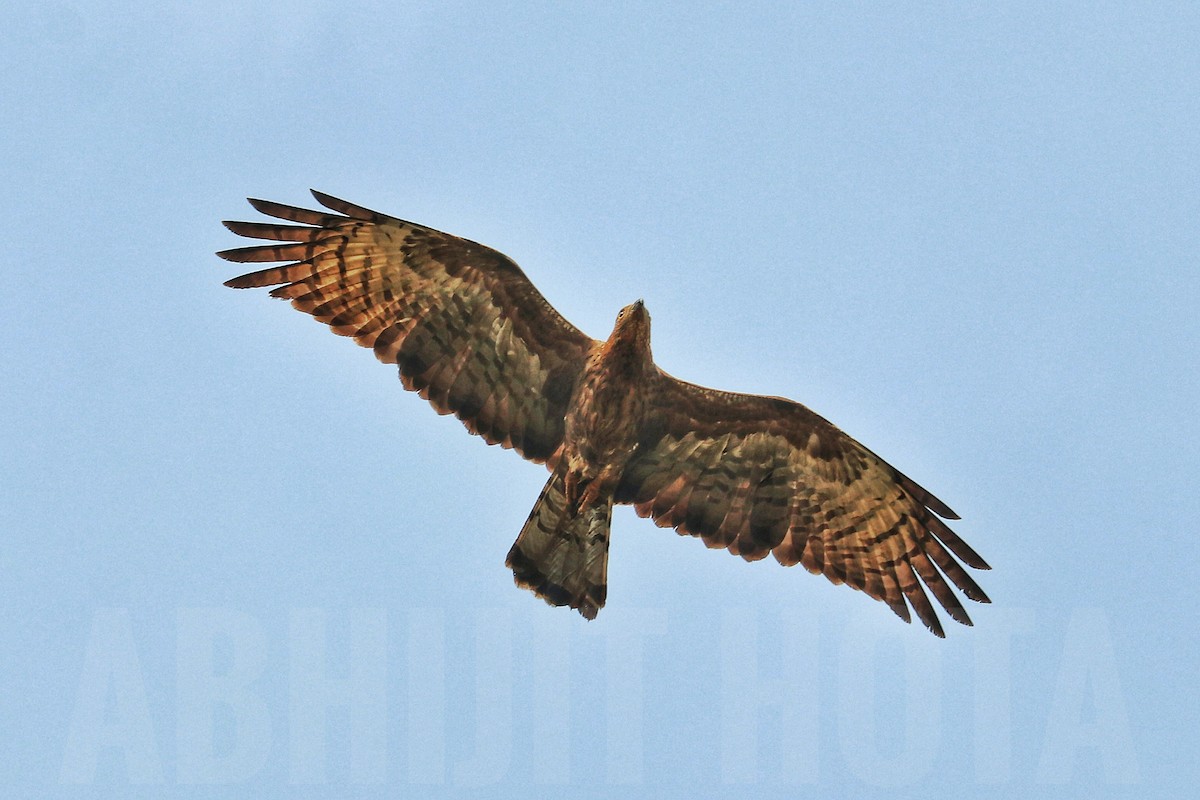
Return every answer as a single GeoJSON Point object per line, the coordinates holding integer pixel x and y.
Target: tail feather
{"type": "Point", "coordinates": [561, 555]}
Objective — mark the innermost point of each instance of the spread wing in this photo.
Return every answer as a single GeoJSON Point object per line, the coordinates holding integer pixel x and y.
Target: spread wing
{"type": "Point", "coordinates": [759, 474]}
{"type": "Point", "coordinates": [463, 323]}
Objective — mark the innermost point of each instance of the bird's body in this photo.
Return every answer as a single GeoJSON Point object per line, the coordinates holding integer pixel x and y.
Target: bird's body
{"type": "Point", "coordinates": [750, 474]}
{"type": "Point", "coordinates": [562, 551]}
{"type": "Point", "coordinates": [608, 408]}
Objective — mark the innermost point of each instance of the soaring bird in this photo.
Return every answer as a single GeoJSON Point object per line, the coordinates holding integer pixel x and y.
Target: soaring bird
{"type": "Point", "coordinates": [750, 474]}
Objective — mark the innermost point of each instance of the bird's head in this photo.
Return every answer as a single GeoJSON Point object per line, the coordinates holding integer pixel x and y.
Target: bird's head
{"type": "Point", "coordinates": [633, 324]}
{"type": "Point", "coordinates": [631, 332]}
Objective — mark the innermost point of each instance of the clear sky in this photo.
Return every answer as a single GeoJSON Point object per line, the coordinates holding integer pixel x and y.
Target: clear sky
{"type": "Point", "coordinates": [238, 560]}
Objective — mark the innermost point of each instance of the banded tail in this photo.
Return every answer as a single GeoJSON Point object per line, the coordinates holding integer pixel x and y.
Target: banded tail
{"type": "Point", "coordinates": [562, 555]}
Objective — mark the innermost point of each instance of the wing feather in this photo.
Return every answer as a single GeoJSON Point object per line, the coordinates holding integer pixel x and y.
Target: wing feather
{"type": "Point", "coordinates": [758, 474]}
{"type": "Point", "coordinates": [464, 325]}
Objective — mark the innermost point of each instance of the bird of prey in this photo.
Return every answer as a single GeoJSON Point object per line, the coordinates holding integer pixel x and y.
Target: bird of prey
{"type": "Point", "coordinates": [750, 474]}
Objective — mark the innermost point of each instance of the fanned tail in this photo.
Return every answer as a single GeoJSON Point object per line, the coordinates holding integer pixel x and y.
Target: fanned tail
{"type": "Point", "coordinates": [561, 555]}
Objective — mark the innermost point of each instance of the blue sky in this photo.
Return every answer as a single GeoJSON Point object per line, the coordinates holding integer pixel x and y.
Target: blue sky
{"type": "Point", "coordinates": [238, 559]}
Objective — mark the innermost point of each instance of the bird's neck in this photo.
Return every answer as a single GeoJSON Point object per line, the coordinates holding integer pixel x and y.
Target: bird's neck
{"type": "Point", "coordinates": [624, 359]}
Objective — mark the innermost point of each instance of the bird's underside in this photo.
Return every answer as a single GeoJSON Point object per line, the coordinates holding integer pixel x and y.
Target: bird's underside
{"type": "Point", "coordinates": [750, 474]}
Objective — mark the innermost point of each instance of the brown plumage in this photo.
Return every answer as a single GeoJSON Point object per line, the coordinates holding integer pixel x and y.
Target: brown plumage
{"type": "Point", "coordinates": [750, 474]}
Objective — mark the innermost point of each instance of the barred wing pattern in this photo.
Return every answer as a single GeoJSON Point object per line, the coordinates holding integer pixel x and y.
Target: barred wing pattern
{"type": "Point", "coordinates": [465, 326]}
{"type": "Point", "coordinates": [758, 475]}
